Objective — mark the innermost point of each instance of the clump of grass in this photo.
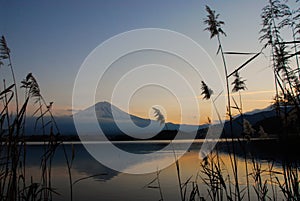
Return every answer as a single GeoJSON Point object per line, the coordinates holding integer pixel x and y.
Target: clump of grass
{"type": "Point", "coordinates": [260, 185]}
{"type": "Point", "coordinates": [213, 178]}
{"type": "Point", "coordinates": [15, 183]}
{"type": "Point", "coordinates": [151, 185]}
{"type": "Point", "coordinates": [289, 185]}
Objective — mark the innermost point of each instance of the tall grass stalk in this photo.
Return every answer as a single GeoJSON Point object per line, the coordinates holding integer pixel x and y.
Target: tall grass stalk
{"type": "Point", "coordinates": [5, 54]}
{"type": "Point", "coordinates": [151, 186]}
{"type": "Point", "coordinates": [214, 27]}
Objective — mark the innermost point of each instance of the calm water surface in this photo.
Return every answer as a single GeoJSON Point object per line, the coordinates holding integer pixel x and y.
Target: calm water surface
{"type": "Point", "coordinates": [113, 185]}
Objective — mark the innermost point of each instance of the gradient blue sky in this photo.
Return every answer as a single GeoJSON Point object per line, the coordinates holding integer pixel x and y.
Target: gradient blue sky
{"type": "Point", "coordinates": [52, 38]}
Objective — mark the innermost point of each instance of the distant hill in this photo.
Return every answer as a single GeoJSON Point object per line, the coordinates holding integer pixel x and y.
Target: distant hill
{"type": "Point", "coordinates": [265, 118]}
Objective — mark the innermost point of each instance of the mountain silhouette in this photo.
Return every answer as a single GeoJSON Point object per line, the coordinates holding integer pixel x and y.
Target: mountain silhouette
{"type": "Point", "coordinates": [110, 118]}
{"type": "Point", "coordinates": [106, 112]}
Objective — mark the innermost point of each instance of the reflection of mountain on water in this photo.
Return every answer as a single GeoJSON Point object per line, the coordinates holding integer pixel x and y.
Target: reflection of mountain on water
{"type": "Point", "coordinates": [83, 161]}
{"type": "Point", "coordinates": [86, 164]}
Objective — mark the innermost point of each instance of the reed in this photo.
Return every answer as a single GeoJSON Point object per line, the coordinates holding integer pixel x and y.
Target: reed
{"type": "Point", "coordinates": [15, 183]}
{"type": "Point", "coordinates": [151, 185]}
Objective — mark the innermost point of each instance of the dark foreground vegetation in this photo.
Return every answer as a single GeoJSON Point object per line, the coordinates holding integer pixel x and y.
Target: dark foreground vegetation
{"type": "Point", "coordinates": [276, 16]}
{"type": "Point", "coordinates": [15, 184]}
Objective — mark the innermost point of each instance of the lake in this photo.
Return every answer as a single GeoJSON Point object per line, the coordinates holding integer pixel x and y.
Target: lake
{"type": "Point", "coordinates": [94, 181]}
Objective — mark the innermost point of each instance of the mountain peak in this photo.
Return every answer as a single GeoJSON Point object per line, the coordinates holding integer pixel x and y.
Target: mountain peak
{"type": "Point", "coordinates": [104, 110]}
{"type": "Point", "coordinates": [103, 103]}
{"type": "Point", "coordinates": [107, 112]}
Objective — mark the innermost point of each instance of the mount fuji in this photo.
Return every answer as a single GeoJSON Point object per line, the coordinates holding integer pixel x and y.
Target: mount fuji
{"type": "Point", "coordinates": [106, 112]}
{"type": "Point", "coordinates": [114, 122]}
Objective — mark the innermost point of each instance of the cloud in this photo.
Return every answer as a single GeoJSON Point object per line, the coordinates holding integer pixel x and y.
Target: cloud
{"type": "Point", "coordinates": [73, 110]}
{"type": "Point", "coordinates": [257, 92]}
{"type": "Point", "coordinates": [259, 100]}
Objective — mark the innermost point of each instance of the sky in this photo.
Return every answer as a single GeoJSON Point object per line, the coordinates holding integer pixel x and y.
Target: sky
{"type": "Point", "coordinates": [52, 39]}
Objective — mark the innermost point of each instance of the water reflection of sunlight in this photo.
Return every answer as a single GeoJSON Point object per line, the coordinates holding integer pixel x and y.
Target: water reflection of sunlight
{"type": "Point", "coordinates": [126, 184]}
{"type": "Point", "coordinates": [164, 158]}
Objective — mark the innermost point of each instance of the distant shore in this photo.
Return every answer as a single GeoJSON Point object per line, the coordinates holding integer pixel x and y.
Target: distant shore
{"type": "Point", "coordinates": [162, 136]}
